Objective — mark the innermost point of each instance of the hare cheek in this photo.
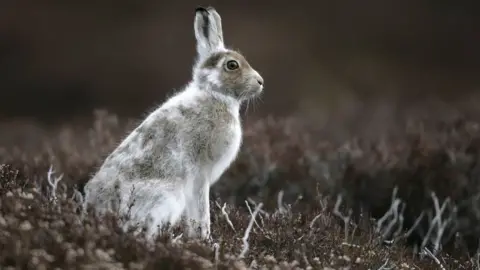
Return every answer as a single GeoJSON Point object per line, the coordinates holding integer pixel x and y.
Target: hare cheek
{"type": "Point", "coordinates": [214, 78]}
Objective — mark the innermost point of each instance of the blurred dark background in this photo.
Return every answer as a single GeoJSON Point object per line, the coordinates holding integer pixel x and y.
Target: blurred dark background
{"type": "Point", "coordinates": [61, 59]}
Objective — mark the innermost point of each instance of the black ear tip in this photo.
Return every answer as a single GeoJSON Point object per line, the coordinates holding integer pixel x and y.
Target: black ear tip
{"type": "Point", "coordinates": [201, 9]}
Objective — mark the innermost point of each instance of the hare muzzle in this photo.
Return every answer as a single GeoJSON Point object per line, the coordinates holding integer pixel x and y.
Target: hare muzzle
{"type": "Point", "coordinates": [257, 84]}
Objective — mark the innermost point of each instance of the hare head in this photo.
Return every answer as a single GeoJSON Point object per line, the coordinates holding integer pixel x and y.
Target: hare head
{"type": "Point", "coordinates": [220, 69]}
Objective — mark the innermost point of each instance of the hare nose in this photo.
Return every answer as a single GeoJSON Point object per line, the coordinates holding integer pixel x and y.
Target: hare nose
{"type": "Point", "coordinates": [260, 80]}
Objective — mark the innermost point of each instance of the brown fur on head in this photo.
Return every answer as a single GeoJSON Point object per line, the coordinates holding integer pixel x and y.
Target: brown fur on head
{"type": "Point", "coordinates": [220, 69]}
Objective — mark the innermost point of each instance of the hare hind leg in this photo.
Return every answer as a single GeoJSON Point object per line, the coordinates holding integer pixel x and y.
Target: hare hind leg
{"type": "Point", "coordinates": [155, 205]}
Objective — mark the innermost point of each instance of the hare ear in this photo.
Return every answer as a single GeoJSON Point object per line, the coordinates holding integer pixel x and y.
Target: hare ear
{"type": "Point", "coordinates": [208, 31]}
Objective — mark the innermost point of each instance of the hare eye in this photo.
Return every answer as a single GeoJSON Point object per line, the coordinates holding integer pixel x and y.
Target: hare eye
{"type": "Point", "coordinates": [232, 65]}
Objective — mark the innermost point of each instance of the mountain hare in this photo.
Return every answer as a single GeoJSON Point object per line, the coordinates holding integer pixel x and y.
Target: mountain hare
{"type": "Point", "coordinates": [163, 170]}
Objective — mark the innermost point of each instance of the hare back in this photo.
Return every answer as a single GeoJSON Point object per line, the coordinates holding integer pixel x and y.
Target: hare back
{"type": "Point", "coordinates": [191, 133]}
{"type": "Point", "coordinates": [212, 134]}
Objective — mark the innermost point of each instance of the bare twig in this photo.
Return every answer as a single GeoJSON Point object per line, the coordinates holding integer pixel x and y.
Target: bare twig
{"type": "Point", "coordinates": [247, 231]}
{"type": "Point", "coordinates": [314, 219]}
{"type": "Point", "coordinates": [385, 266]}
{"type": "Point", "coordinates": [351, 245]}
{"type": "Point", "coordinates": [431, 255]}
{"type": "Point", "coordinates": [395, 215]}
{"type": "Point", "coordinates": [251, 213]}
{"type": "Point", "coordinates": [415, 225]}
{"type": "Point", "coordinates": [281, 208]}
{"type": "Point", "coordinates": [263, 212]}
{"type": "Point", "coordinates": [400, 221]}
{"type": "Point", "coordinates": [216, 247]}
{"type": "Point", "coordinates": [346, 219]}
{"type": "Point", "coordinates": [53, 183]}
{"type": "Point", "coordinates": [224, 213]}
{"type": "Point", "coordinates": [437, 224]}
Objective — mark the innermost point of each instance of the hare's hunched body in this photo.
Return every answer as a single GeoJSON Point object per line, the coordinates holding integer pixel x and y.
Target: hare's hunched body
{"type": "Point", "coordinates": [163, 170]}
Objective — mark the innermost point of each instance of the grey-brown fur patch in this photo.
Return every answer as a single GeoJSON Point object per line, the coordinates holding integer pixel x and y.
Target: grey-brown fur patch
{"type": "Point", "coordinates": [144, 167]}
{"type": "Point", "coordinates": [212, 61]}
{"type": "Point", "coordinates": [214, 119]}
{"type": "Point", "coordinates": [188, 113]}
{"type": "Point", "coordinates": [157, 139]}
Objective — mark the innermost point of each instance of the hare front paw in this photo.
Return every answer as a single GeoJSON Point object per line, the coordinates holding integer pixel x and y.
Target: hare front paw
{"type": "Point", "coordinates": [199, 230]}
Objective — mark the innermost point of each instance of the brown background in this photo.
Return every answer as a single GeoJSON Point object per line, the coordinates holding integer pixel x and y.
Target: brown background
{"type": "Point", "coordinates": [64, 58]}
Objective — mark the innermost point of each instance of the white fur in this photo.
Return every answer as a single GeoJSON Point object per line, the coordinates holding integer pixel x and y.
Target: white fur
{"type": "Point", "coordinates": [129, 184]}
{"type": "Point", "coordinates": [155, 202]}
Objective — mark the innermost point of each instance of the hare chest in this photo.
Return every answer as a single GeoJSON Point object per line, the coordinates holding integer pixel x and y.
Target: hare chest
{"type": "Point", "coordinates": [232, 142]}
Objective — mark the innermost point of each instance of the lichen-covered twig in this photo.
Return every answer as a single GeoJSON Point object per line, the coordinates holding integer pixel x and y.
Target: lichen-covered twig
{"type": "Point", "coordinates": [53, 183]}
{"type": "Point", "coordinates": [247, 231]}
{"type": "Point", "coordinates": [225, 214]}
{"type": "Point", "coordinates": [281, 207]}
{"type": "Point", "coordinates": [435, 259]}
{"type": "Point", "coordinates": [415, 225]}
{"type": "Point", "coordinates": [437, 224]}
{"type": "Point", "coordinates": [251, 213]}
{"type": "Point", "coordinates": [395, 214]}
{"type": "Point", "coordinates": [345, 218]}
{"type": "Point", "coordinates": [216, 248]}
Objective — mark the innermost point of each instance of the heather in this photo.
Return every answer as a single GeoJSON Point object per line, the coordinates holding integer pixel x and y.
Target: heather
{"type": "Point", "coordinates": [362, 193]}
